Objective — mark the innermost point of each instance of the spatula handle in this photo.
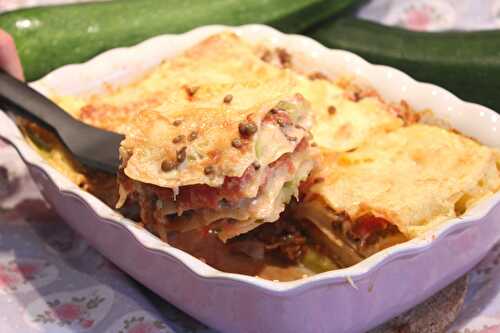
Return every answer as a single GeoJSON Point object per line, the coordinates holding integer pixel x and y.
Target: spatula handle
{"type": "Point", "coordinates": [16, 96]}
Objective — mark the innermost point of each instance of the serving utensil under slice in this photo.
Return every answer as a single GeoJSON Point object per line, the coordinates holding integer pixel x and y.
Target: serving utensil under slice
{"type": "Point", "coordinates": [93, 147]}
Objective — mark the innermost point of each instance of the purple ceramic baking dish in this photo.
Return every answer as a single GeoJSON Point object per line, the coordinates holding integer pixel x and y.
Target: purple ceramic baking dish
{"type": "Point", "coordinates": [347, 300]}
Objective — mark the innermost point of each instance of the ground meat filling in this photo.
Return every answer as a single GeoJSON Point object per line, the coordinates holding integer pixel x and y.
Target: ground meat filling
{"type": "Point", "coordinates": [203, 196]}
{"type": "Point", "coordinates": [281, 239]}
{"type": "Point", "coordinates": [365, 230]}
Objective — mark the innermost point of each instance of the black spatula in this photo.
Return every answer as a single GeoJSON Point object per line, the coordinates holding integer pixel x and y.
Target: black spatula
{"type": "Point", "coordinates": [93, 147]}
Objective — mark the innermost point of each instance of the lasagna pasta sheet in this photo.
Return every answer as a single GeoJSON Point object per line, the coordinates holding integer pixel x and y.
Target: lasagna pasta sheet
{"type": "Point", "coordinates": [204, 71]}
{"type": "Point", "coordinates": [342, 121]}
{"type": "Point", "coordinates": [413, 177]}
{"type": "Point", "coordinates": [207, 129]}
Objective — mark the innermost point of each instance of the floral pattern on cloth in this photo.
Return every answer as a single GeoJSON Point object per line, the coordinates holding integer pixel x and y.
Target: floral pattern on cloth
{"type": "Point", "coordinates": [23, 275]}
{"type": "Point", "coordinates": [74, 311]}
{"type": "Point", "coordinates": [434, 15]}
{"type": "Point", "coordinates": [62, 297]}
{"type": "Point", "coordinates": [423, 15]}
{"type": "Point", "coordinates": [138, 322]}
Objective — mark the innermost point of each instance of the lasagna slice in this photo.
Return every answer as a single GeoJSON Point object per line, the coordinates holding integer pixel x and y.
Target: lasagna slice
{"type": "Point", "coordinates": [395, 187]}
{"type": "Point", "coordinates": [228, 162]}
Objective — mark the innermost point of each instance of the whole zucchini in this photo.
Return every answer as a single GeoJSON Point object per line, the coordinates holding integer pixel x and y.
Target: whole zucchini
{"type": "Point", "coordinates": [49, 37]}
{"type": "Point", "coordinates": [466, 63]}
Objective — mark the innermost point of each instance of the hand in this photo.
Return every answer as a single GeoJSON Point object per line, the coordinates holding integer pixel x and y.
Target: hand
{"type": "Point", "coordinates": [9, 60]}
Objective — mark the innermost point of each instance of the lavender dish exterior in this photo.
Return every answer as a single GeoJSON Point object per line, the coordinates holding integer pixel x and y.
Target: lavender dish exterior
{"type": "Point", "coordinates": [348, 300]}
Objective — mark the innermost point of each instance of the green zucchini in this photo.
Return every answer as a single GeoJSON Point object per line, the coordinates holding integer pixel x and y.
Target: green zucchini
{"type": "Point", "coordinates": [49, 37]}
{"type": "Point", "coordinates": [465, 63]}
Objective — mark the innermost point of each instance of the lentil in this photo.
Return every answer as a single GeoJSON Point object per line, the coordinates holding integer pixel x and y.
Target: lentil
{"type": "Point", "coordinates": [237, 143]}
{"type": "Point", "coordinates": [192, 90]}
{"type": "Point", "coordinates": [317, 76]}
{"type": "Point", "coordinates": [209, 170]}
{"type": "Point", "coordinates": [168, 165]}
{"type": "Point", "coordinates": [179, 139]}
{"type": "Point", "coordinates": [247, 128]}
{"type": "Point", "coordinates": [267, 56]}
{"type": "Point", "coordinates": [284, 56]}
{"type": "Point", "coordinates": [181, 154]}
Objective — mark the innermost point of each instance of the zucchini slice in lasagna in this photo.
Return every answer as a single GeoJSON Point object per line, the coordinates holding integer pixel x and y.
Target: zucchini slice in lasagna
{"type": "Point", "coordinates": [395, 187]}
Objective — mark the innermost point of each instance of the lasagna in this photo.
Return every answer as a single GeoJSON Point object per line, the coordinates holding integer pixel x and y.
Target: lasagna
{"type": "Point", "coordinates": [221, 138]}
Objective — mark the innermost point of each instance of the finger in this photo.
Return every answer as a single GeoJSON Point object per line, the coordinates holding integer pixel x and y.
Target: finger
{"type": "Point", "coordinates": [9, 59]}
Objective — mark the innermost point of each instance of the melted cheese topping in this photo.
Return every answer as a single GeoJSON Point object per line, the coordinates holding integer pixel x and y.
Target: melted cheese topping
{"type": "Point", "coordinates": [190, 89]}
{"type": "Point", "coordinates": [415, 177]}
{"type": "Point", "coordinates": [206, 71]}
{"type": "Point", "coordinates": [214, 66]}
{"type": "Point", "coordinates": [150, 137]}
{"type": "Point", "coordinates": [341, 124]}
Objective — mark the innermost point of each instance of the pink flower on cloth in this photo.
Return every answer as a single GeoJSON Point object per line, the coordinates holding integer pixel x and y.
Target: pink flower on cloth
{"type": "Point", "coordinates": [24, 274]}
{"type": "Point", "coordinates": [74, 313]}
{"type": "Point", "coordinates": [28, 270]}
{"type": "Point", "coordinates": [76, 310]}
{"type": "Point", "coordinates": [68, 311]}
{"type": "Point", "coordinates": [8, 281]}
{"type": "Point", "coordinates": [491, 329]}
{"type": "Point", "coordinates": [418, 18]}
{"type": "Point", "coordinates": [422, 15]}
{"type": "Point", "coordinates": [143, 327]}
{"type": "Point", "coordinates": [86, 323]}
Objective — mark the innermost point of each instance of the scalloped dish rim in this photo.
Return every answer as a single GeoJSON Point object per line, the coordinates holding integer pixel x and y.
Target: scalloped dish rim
{"type": "Point", "coordinates": [152, 243]}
